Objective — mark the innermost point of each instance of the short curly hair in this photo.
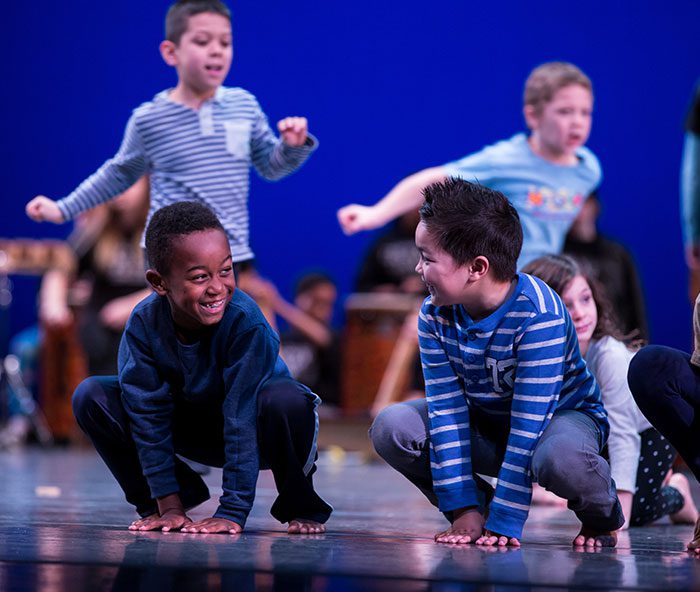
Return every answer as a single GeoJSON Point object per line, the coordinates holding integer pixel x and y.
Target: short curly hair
{"type": "Point", "coordinates": [171, 222]}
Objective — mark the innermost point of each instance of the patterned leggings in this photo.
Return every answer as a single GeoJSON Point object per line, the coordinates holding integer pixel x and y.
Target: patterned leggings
{"type": "Point", "coordinates": [652, 500]}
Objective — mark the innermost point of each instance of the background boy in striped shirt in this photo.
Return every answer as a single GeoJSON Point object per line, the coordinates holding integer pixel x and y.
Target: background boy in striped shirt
{"type": "Point", "coordinates": [507, 392]}
{"type": "Point", "coordinates": [197, 140]}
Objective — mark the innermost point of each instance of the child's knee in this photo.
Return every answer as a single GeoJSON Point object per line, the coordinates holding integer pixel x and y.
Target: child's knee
{"type": "Point", "coordinates": [84, 398]}
{"type": "Point", "coordinates": [285, 399]}
{"type": "Point", "coordinates": [92, 395]}
{"type": "Point", "coordinates": [560, 459]}
{"type": "Point", "coordinates": [391, 431]}
{"type": "Point", "coordinates": [650, 371]}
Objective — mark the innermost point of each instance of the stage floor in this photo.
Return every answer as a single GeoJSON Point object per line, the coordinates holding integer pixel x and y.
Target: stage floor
{"type": "Point", "coordinates": [63, 527]}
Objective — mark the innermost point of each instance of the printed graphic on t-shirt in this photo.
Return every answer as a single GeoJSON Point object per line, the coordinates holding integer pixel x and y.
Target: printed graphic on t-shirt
{"type": "Point", "coordinates": [545, 203]}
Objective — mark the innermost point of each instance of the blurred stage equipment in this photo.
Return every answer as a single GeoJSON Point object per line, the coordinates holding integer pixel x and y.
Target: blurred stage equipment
{"type": "Point", "coordinates": [62, 361]}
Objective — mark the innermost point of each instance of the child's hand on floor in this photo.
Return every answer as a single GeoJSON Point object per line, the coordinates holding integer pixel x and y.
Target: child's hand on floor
{"type": "Point", "coordinates": [170, 520]}
{"type": "Point", "coordinates": [214, 525]}
{"type": "Point", "coordinates": [467, 527]}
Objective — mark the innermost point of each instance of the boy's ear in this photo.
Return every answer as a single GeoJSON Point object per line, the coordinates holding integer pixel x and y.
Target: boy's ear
{"type": "Point", "coordinates": [157, 282]}
{"type": "Point", "coordinates": [167, 51]}
{"type": "Point", "coordinates": [531, 116]}
{"type": "Point", "coordinates": [479, 267]}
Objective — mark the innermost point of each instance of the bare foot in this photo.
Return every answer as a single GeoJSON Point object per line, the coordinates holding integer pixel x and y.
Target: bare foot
{"type": "Point", "coordinates": [688, 514]}
{"type": "Point", "coordinates": [305, 526]}
{"type": "Point", "coordinates": [466, 528]}
{"type": "Point", "coordinates": [595, 538]}
{"type": "Point", "coordinates": [694, 545]}
{"type": "Point", "coordinates": [542, 497]}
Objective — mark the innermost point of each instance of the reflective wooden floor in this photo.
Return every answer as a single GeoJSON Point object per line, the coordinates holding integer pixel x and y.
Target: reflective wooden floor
{"type": "Point", "coordinates": [63, 527]}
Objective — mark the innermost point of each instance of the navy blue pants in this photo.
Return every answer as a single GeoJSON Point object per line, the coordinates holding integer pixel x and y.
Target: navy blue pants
{"type": "Point", "coordinates": [666, 386]}
{"type": "Point", "coordinates": [287, 426]}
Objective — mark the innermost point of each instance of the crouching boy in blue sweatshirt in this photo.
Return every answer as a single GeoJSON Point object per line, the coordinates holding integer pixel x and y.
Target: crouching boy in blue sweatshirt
{"type": "Point", "coordinates": [200, 376]}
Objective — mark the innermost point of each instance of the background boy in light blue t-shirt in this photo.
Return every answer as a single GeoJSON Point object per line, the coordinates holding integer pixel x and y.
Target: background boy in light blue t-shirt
{"type": "Point", "coordinates": [546, 175]}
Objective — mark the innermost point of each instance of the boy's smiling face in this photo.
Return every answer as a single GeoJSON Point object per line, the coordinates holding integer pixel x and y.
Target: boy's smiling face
{"type": "Point", "coordinates": [444, 277]}
{"type": "Point", "coordinates": [204, 53]}
{"type": "Point", "coordinates": [200, 282]}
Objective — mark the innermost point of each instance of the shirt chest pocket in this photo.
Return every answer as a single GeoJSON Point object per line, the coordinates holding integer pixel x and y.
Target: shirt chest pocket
{"type": "Point", "coordinates": [238, 138]}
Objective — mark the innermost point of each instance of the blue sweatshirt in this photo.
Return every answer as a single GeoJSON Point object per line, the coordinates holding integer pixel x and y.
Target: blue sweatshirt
{"type": "Point", "coordinates": [225, 370]}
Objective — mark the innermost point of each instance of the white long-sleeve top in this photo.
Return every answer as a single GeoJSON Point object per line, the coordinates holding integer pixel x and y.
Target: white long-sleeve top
{"type": "Point", "coordinates": [608, 360]}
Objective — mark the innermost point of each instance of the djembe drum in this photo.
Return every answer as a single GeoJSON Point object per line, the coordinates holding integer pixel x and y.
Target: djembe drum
{"type": "Point", "coordinates": [373, 326]}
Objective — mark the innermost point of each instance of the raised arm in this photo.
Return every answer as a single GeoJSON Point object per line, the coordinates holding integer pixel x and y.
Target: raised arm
{"type": "Point", "coordinates": [405, 196]}
{"type": "Point", "coordinates": [273, 157]}
{"type": "Point", "coordinates": [113, 178]}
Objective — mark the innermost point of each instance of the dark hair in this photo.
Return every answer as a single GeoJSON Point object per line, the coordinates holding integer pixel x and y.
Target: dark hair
{"type": "Point", "coordinates": [312, 279]}
{"type": "Point", "coordinates": [468, 220]}
{"type": "Point", "coordinates": [179, 13]}
{"type": "Point", "coordinates": [557, 271]}
{"type": "Point", "coordinates": [171, 222]}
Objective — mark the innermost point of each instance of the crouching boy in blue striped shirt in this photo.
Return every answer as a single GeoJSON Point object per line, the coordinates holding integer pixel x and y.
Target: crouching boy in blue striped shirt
{"type": "Point", "coordinates": [508, 394]}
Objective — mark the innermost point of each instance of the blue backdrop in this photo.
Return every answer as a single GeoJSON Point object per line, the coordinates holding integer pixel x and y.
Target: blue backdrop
{"type": "Point", "coordinates": [389, 87]}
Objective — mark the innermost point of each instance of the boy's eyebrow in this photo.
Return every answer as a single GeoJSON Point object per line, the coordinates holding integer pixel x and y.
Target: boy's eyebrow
{"type": "Point", "coordinates": [210, 32]}
{"type": "Point", "coordinates": [204, 267]}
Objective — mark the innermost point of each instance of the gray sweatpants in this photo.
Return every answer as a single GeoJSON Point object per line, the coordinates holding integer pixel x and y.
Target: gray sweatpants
{"type": "Point", "coordinates": [566, 460]}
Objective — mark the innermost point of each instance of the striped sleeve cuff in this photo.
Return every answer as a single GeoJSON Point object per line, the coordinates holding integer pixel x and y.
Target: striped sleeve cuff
{"type": "Point", "coordinates": [457, 496]}
{"type": "Point", "coordinates": [65, 210]}
{"type": "Point", "coordinates": [507, 523]}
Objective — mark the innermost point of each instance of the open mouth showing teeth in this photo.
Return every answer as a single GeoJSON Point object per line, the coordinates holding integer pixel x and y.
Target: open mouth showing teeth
{"type": "Point", "coordinates": [213, 305]}
{"type": "Point", "coordinates": [214, 68]}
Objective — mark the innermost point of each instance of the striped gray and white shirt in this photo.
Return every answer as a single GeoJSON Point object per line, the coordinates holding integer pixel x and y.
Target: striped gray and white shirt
{"type": "Point", "coordinates": [202, 156]}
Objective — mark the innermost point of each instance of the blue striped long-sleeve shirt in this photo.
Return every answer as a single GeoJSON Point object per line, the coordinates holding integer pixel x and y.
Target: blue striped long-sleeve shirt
{"type": "Point", "coordinates": [519, 365]}
{"type": "Point", "coordinates": [202, 155]}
